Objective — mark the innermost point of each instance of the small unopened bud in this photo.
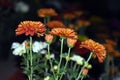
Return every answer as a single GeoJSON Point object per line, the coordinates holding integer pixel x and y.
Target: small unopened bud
{"type": "Point", "coordinates": [85, 71]}
{"type": "Point", "coordinates": [55, 67]}
{"type": "Point", "coordinates": [47, 78]}
{"type": "Point", "coordinates": [71, 42]}
{"type": "Point", "coordinates": [49, 38]}
{"type": "Point", "coordinates": [67, 58]}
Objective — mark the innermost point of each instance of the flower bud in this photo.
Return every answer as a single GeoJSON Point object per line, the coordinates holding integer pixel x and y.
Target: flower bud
{"type": "Point", "coordinates": [55, 67]}
{"type": "Point", "coordinates": [49, 38]}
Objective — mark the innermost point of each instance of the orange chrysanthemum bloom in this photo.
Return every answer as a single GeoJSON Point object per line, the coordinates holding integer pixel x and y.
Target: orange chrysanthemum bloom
{"type": "Point", "coordinates": [110, 47]}
{"type": "Point", "coordinates": [83, 23]}
{"type": "Point", "coordinates": [71, 42]}
{"type": "Point", "coordinates": [30, 28]}
{"type": "Point", "coordinates": [44, 12]}
{"type": "Point", "coordinates": [49, 38]}
{"type": "Point", "coordinates": [95, 47]}
{"type": "Point", "coordinates": [111, 42]}
{"type": "Point", "coordinates": [69, 16]}
{"type": "Point", "coordinates": [55, 24]}
{"type": "Point", "coordinates": [78, 13]}
{"type": "Point", "coordinates": [64, 32]}
{"type": "Point", "coordinates": [103, 35]}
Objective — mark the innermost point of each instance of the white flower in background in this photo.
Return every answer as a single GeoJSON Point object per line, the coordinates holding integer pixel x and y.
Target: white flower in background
{"type": "Point", "coordinates": [21, 7]}
{"type": "Point", "coordinates": [78, 59]}
{"type": "Point", "coordinates": [43, 51]}
{"type": "Point", "coordinates": [37, 46]}
{"type": "Point", "coordinates": [15, 45]}
{"type": "Point", "coordinates": [52, 56]}
{"type": "Point", "coordinates": [19, 49]}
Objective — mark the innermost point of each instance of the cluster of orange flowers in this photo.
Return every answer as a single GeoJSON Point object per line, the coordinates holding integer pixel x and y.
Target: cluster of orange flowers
{"type": "Point", "coordinates": [30, 28]}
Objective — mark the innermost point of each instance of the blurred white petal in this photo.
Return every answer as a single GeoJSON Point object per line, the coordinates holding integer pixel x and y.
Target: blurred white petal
{"type": "Point", "coordinates": [43, 51]}
{"type": "Point", "coordinates": [52, 56]}
{"type": "Point", "coordinates": [15, 45]}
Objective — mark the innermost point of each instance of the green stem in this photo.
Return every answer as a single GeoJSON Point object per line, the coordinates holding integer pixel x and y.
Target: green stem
{"type": "Point", "coordinates": [31, 60]}
{"type": "Point", "coordinates": [62, 40]}
{"type": "Point", "coordinates": [107, 64]}
{"type": "Point", "coordinates": [75, 66]}
{"type": "Point", "coordinates": [65, 63]}
{"type": "Point", "coordinates": [51, 65]}
{"type": "Point", "coordinates": [84, 66]}
{"type": "Point", "coordinates": [45, 20]}
{"type": "Point", "coordinates": [28, 64]}
{"type": "Point", "coordinates": [46, 69]}
{"type": "Point", "coordinates": [82, 78]}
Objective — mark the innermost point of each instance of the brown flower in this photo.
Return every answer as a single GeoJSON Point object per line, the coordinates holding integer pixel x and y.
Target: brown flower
{"type": "Point", "coordinates": [55, 24]}
{"type": "Point", "coordinates": [71, 42]}
{"type": "Point", "coordinates": [78, 13]}
{"type": "Point", "coordinates": [103, 35]}
{"type": "Point", "coordinates": [64, 32]}
{"type": "Point", "coordinates": [49, 38]}
{"type": "Point", "coordinates": [30, 28]}
{"type": "Point", "coordinates": [110, 47]}
{"type": "Point", "coordinates": [69, 16]}
{"type": "Point", "coordinates": [95, 47]}
{"type": "Point", "coordinates": [83, 23]}
{"type": "Point", "coordinates": [44, 12]}
{"type": "Point", "coordinates": [111, 42]}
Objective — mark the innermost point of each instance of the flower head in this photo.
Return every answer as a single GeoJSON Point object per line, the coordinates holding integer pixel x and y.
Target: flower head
{"type": "Point", "coordinates": [95, 47]}
{"type": "Point", "coordinates": [30, 28]}
{"type": "Point", "coordinates": [38, 46]}
{"type": "Point", "coordinates": [44, 12]}
{"type": "Point", "coordinates": [64, 32]}
{"type": "Point", "coordinates": [69, 16]}
{"type": "Point", "coordinates": [83, 23]}
{"type": "Point", "coordinates": [19, 49]}
{"type": "Point", "coordinates": [55, 24]}
{"type": "Point", "coordinates": [49, 38]}
{"type": "Point", "coordinates": [78, 13]}
{"type": "Point", "coordinates": [78, 59]}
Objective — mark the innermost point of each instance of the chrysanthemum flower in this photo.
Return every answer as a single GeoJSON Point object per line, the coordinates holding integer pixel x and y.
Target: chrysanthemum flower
{"type": "Point", "coordinates": [95, 47]}
{"type": "Point", "coordinates": [78, 59]}
{"type": "Point", "coordinates": [49, 38]}
{"type": "Point", "coordinates": [110, 47]}
{"type": "Point", "coordinates": [31, 28]}
{"type": "Point", "coordinates": [38, 46]}
{"type": "Point", "coordinates": [55, 24]}
{"type": "Point", "coordinates": [64, 32]}
{"type": "Point", "coordinates": [44, 12]}
{"type": "Point", "coordinates": [69, 16]}
{"type": "Point", "coordinates": [83, 23]}
{"type": "Point", "coordinates": [78, 13]}
{"type": "Point", "coordinates": [19, 49]}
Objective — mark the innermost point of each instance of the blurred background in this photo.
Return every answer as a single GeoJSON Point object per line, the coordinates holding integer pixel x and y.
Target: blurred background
{"type": "Point", "coordinates": [103, 15]}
